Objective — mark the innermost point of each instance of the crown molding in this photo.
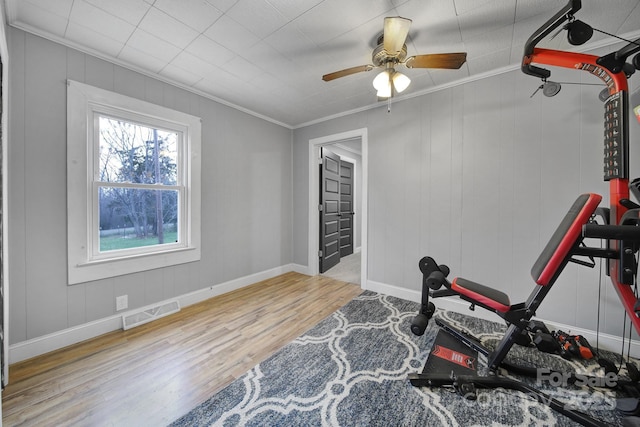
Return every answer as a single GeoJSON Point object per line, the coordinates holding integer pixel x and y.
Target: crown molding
{"type": "Point", "coordinates": [11, 18]}
{"type": "Point", "coordinates": [70, 44]}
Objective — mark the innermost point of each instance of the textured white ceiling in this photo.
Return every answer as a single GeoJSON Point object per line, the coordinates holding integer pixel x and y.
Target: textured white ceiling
{"type": "Point", "coordinates": [268, 56]}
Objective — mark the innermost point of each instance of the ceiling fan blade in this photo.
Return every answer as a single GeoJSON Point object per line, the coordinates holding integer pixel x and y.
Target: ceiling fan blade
{"type": "Point", "coordinates": [347, 72]}
{"type": "Point", "coordinates": [396, 29]}
{"type": "Point", "coordinates": [451, 61]}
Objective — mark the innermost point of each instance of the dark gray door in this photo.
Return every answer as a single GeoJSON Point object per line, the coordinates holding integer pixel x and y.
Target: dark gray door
{"type": "Point", "coordinates": [329, 210]}
{"type": "Point", "coordinates": [346, 208]}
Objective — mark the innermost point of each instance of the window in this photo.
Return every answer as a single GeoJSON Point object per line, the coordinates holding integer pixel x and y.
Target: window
{"type": "Point", "coordinates": [133, 185]}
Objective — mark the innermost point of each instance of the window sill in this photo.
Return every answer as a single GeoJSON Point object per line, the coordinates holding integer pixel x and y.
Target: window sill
{"type": "Point", "coordinates": [106, 268]}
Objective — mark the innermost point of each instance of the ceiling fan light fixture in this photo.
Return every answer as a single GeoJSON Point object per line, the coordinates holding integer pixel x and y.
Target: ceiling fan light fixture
{"type": "Point", "coordinates": [384, 85]}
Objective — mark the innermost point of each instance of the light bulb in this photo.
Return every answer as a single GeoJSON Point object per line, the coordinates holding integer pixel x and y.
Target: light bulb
{"type": "Point", "coordinates": [400, 82]}
{"type": "Point", "coordinates": [384, 92]}
{"type": "Point", "coordinates": [381, 82]}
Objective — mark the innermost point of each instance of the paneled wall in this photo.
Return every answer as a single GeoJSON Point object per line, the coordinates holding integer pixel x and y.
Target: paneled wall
{"type": "Point", "coordinates": [478, 176]}
{"type": "Point", "coordinates": [246, 192]}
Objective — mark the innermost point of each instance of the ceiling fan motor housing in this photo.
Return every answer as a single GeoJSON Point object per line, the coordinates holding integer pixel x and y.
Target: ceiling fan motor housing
{"type": "Point", "coordinates": [381, 57]}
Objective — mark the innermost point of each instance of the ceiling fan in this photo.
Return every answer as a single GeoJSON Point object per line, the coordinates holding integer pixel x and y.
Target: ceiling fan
{"type": "Point", "coordinates": [392, 51]}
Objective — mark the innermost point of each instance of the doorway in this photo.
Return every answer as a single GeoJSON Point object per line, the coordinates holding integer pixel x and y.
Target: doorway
{"type": "Point", "coordinates": [339, 142]}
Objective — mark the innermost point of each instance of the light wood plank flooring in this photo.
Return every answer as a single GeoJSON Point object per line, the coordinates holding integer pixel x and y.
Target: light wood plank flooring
{"type": "Point", "coordinates": [153, 374]}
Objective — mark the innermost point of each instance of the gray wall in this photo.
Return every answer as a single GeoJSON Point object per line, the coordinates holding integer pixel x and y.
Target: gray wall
{"type": "Point", "coordinates": [246, 192]}
{"type": "Point", "coordinates": [478, 176]}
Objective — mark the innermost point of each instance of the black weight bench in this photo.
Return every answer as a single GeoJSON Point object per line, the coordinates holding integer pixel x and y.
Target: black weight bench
{"type": "Point", "coordinates": [561, 248]}
{"type": "Point", "coordinates": [564, 245]}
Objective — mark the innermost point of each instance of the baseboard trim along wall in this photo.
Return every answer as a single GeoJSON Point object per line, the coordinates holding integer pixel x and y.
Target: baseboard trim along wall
{"type": "Point", "coordinates": [37, 346]}
{"type": "Point", "coordinates": [606, 341]}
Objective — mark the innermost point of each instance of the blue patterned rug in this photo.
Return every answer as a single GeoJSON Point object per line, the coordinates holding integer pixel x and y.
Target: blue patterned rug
{"type": "Point", "coordinates": [351, 370]}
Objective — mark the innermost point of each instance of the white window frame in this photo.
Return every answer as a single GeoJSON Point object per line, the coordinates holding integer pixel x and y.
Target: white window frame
{"type": "Point", "coordinates": [85, 262]}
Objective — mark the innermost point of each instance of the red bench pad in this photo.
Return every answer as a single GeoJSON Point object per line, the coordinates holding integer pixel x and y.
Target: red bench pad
{"type": "Point", "coordinates": [482, 294]}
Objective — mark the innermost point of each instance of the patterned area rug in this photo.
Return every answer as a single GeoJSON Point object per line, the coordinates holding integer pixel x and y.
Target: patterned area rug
{"type": "Point", "coordinates": [351, 370]}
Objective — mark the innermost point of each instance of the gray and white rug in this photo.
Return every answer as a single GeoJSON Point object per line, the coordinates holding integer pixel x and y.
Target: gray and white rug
{"type": "Point", "coordinates": [351, 370]}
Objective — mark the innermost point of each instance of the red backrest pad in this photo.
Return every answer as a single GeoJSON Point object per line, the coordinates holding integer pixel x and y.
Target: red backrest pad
{"type": "Point", "coordinates": [568, 233]}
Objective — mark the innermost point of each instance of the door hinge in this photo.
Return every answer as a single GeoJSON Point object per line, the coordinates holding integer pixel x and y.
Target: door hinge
{"type": "Point", "coordinates": [320, 208]}
{"type": "Point", "coordinates": [319, 254]}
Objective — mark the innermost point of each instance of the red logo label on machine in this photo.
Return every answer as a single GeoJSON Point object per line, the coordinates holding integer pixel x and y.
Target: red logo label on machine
{"type": "Point", "coordinates": [454, 357]}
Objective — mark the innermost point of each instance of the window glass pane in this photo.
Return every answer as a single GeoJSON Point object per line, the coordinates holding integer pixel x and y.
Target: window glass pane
{"type": "Point", "coordinates": [132, 218]}
{"type": "Point", "coordinates": [130, 152]}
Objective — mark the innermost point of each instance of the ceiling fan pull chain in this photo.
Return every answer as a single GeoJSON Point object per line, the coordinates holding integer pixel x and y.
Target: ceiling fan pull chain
{"type": "Point", "coordinates": [392, 88]}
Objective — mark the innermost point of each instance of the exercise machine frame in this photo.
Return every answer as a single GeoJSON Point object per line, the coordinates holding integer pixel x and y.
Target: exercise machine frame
{"type": "Point", "coordinates": [620, 229]}
{"type": "Point", "coordinates": [621, 213]}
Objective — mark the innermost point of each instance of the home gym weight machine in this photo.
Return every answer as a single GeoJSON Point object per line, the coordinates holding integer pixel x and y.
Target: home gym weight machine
{"type": "Point", "coordinates": [620, 229]}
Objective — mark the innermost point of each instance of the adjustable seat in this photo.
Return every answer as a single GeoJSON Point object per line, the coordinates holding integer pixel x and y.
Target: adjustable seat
{"type": "Point", "coordinates": [483, 295]}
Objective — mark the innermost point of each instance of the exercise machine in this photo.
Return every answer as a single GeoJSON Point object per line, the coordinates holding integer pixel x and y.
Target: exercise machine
{"type": "Point", "coordinates": [619, 227]}
{"type": "Point", "coordinates": [613, 69]}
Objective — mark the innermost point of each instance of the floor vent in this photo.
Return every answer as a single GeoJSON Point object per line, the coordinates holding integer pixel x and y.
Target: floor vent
{"type": "Point", "coordinates": [146, 315]}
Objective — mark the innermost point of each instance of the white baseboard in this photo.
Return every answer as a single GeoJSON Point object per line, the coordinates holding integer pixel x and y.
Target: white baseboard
{"type": "Point", "coordinates": [394, 291]}
{"type": "Point", "coordinates": [37, 346]}
{"type": "Point", "coordinates": [302, 269]}
{"type": "Point", "coordinates": [606, 341]}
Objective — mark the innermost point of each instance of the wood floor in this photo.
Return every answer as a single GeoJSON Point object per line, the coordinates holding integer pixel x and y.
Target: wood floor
{"type": "Point", "coordinates": [153, 374]}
